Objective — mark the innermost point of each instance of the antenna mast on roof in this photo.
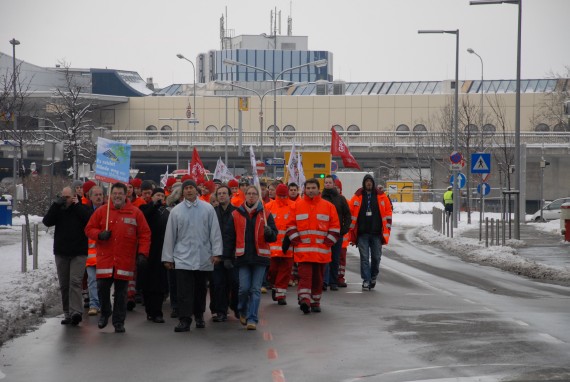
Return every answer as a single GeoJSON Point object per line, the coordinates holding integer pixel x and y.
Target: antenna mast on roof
{"type": "Point", "coordinates": [290, 20]}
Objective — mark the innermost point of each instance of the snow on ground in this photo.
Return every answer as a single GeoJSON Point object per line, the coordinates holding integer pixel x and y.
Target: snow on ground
{"type": "Point", "coordinates": [25, 297]}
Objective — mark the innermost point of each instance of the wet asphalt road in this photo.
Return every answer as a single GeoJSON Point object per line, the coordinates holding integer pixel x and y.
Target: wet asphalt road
{"type": "Point", "coordinates": [431, 317]}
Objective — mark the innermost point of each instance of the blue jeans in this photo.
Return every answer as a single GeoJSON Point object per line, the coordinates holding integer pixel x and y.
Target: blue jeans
{"type": "Point", "coordinates": [370, 248]}
{"type": "Point", "coordinates": [250, 280]}
{"type": "Point", "coordinates": [92, 286]}
{"type": "Point", "coordinates": [331, 269]}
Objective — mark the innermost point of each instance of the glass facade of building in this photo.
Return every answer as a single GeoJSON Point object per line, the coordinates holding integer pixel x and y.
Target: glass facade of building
{"type": "Point", "coordinates": [273, 61]}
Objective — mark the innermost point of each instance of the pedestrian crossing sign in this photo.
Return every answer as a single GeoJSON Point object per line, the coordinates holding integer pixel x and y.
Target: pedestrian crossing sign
{"type": "Point", "coordinates": [480, 163]}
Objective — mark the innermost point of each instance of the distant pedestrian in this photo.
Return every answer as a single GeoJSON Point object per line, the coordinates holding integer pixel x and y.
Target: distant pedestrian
{"type": "Point", "coordinates": [192, 244]}
{"type": "Point", "coordinates": [69, 217]}
{"type": "Point", "coordinates": [370, 228]}
{"type": "Point", "coordinates": [448, 201]}
{"type": "Point", "coordinates": [95, 201]}
{"type": "Point", "coordinates": [120, 247]}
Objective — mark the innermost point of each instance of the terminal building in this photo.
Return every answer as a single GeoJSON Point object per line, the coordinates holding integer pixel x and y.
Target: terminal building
{"type": "Point", "coordinates": [386, 125]}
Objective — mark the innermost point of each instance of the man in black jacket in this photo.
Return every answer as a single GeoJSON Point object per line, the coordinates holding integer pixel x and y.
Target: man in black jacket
{"type": "Point", "coordinates": [224, 291]}
{"type": "Point", "coordinates": [69, 217]}
{"type": "Point", "coordinates": [330, 194]}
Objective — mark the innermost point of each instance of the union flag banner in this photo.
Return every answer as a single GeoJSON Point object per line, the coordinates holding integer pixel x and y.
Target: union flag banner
{"type": "Point", "coordinates": [197, 170]}
{"type": "Point", "coordinates": [338, 148]}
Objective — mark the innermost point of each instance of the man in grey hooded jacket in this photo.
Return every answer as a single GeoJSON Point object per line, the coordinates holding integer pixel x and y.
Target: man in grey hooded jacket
{"type": "Point", "coordinates": [192, 244]}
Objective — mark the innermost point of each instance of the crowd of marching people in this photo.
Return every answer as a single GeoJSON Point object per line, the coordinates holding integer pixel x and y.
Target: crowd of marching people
{"type": "Point", "coordinates": [146, 244]}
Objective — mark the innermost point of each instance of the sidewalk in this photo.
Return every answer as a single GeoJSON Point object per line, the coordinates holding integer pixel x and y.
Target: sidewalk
{"type": "Point", "coordinates": [540, 246]}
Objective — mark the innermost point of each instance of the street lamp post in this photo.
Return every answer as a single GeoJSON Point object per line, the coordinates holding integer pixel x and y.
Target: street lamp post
{"type": "Point", "coordinates": [275, 78]}
{"type": "Point", "coordinates": [455, 120]}
{"type": "Point", "coordinates": [193, 119]}
{"type": "Point", "coordinates": [261, 97]}
{"type": "Point", "coordinates": [14, 42]}
{"type": "Point", "coordinates": [481, 149]}
{"type": "Point", "coordinates": [517, 107]}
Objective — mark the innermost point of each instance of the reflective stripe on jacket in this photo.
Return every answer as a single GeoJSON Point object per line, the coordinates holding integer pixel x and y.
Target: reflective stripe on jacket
{"type": "Point", "coordinates": [91, 253]}
{"type": "Point", "coordinates": [314, 224]}
{"type": "Point", "coordinates": [280, 209]}
{"type": "Point", "coordinates": [384, 208]}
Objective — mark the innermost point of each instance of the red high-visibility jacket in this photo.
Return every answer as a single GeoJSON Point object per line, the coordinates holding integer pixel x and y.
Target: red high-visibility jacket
{"type": "Point", "coordinates": [385, 209]}
{"type": "Point", "coordinates": [240, 224]}
{"type": "Point", "coordinates": [130, 235]}
{"type": "Point", "coordinates": [313, 228]}
{"type": "Point", "coordinates": [280, 209]}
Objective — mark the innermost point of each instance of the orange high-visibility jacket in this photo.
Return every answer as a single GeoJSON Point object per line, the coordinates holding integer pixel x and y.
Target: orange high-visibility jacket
{"type": "Point", "coordinates": [130, 235]}
{"type": "Point", "coordinates": [91, 253]}
{"type": "Point", "coordinates": [313, 228]}
{"type": "Point", "coordinates": [385, 209]}
{"type": "Point", "coordinates": [240, 225]}
{"type": "Point", "coordinates": [280, 209]}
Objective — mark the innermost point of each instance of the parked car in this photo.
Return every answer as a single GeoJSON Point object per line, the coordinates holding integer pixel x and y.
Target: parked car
{"type": "Point", "coordinates": [551, 211]}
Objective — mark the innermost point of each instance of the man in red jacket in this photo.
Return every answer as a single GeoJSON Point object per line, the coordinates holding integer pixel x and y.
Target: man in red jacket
{"type": "Point", "coordinates": [124, 243]}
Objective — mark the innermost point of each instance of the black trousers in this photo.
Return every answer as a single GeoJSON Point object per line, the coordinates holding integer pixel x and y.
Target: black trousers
{"type": "Point", "coordinates": [119, 309]}
{"type": "Point", "coordinates": [191, 288]}
{"type": "Point", "coordinates": [224, 291]}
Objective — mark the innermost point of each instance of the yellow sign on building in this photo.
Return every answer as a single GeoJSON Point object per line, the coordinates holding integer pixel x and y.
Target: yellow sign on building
{"type": "Point", "coordinates": [400, 191]}
{"type": "Point", "coordinates": [244, 103]}
{"type": "Point", "coordinates": [316, 164]}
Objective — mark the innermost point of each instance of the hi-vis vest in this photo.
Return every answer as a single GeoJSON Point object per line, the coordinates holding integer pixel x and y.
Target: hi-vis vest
{"type": "Point", "coordinates": [240, 223]}
{"type": "Point", "coordinates": [280, 210]}
{"type": "Point", "coordinates": [91, 253]}
{"type": "Point", "coordinates": [384, 207]}
{"type": "Point", "coordinates": [448, 197]}
{"type": "Point", "coordinates": [315, 222]}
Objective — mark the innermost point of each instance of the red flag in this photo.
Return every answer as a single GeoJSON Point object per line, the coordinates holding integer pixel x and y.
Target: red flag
{"type": "Point", "coordinates": [338, 148]}
{"type": "Point", "coordinates": [197, 170]}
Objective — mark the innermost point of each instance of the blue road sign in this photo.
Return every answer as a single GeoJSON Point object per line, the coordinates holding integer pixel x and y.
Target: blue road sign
{"type": "Point", "coordinates": [277, 162]}
{"type": "Point", "coordinates": [461, 180]}
{"type": "Point", "coordinates": [480, 163]}
{"type": "Point", "coordinates": [484, 187]}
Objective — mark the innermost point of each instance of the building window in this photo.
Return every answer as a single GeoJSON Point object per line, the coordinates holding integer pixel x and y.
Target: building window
{"type": "Point", "coordinates": [211, 131]}
{"type": "Point", "coordinates": [561, 127]}
{"type": "Point", "coordinates": [542, 127]}
{"type": "Point", "coordinates": [471, 129]}
{"type": "Point", "coordinates": [489, 129]}
{"type": "Point", "coordinates": [151, 130]}
{"type": "Point", "coordinates": [272, 128]}
{"type": "Point", "coordinates": [166, 130]}
{"type": "Point", "coordinates": [228, 128]}
{"type": "Point", "coordinates": [419, 128]}
{"type": "Point", "coordinates": [353, 130]}
{"type": "Point", "coordinates": [338, 128]}
{"type": "Point", "coordinates": [289, 132]}
{"type": "Point", "coordinates": [402, 129]}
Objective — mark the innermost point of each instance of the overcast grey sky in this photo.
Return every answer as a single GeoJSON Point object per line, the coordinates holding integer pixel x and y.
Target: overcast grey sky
{"type": "Point", "coordinates": [372, 40]}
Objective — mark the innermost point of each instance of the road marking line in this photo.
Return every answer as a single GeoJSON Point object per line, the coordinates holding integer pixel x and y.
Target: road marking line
{"type": "Point", "coordinates": [278, 375]}
{"type": "Point", "coordinates": [356, 291]}
{"type": "Point", "coordinates": [521, 323]}
{"type": "Point", "coordinates": [267, 336]}
{"type": "Point", "coordinates": [469, 301]}
{"type": "Point", "coordinates": [550, 338]}
{"type": "Point", "coordinates": [272, 354]}
{"type": "Point", "coordinates": [2, 375]}
{"type": "Point", "coordinates": [262, 322]}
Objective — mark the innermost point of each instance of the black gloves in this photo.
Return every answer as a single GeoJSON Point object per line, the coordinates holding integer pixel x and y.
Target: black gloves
{"type": "Point", "coordinates": [268, 234]}
{"type": "Point", "coordinates": [104, 235]}
{"type": "Point", "coordinates": [286, 244]}
{"type": "Point", "coordinates": [228, 264]}
{"type": "Point", "coordinates": [142, 261]}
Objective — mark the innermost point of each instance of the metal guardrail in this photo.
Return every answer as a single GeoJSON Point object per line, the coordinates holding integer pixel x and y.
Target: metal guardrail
{"type": "Point", "coordinates": [357, 141]}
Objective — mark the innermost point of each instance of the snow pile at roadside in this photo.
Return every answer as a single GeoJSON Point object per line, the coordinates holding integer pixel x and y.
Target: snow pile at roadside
{"type": "Point", "coordinates": [415, 207]}
{"type": "Point", "coordinates": [503, 257]}
{"type": "Point", "coordinates": [24, 297]}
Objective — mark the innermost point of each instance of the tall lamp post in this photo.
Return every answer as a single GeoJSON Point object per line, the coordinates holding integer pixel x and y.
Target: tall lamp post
{"type": "Point", "coordinates": [455, 120]}
{"type": "Point", "coordinates": [481, 149]}
{"type": "Point", "coordinates": [275, 78]}
{"type": "Point", "coordinates": [517, 108]}
{"type": "Point", "coordinates": [193, 119]}
{"type": "Point", "coordinates": [261, 97]}
{"type": "Point", "coordinates": [14, 42]}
